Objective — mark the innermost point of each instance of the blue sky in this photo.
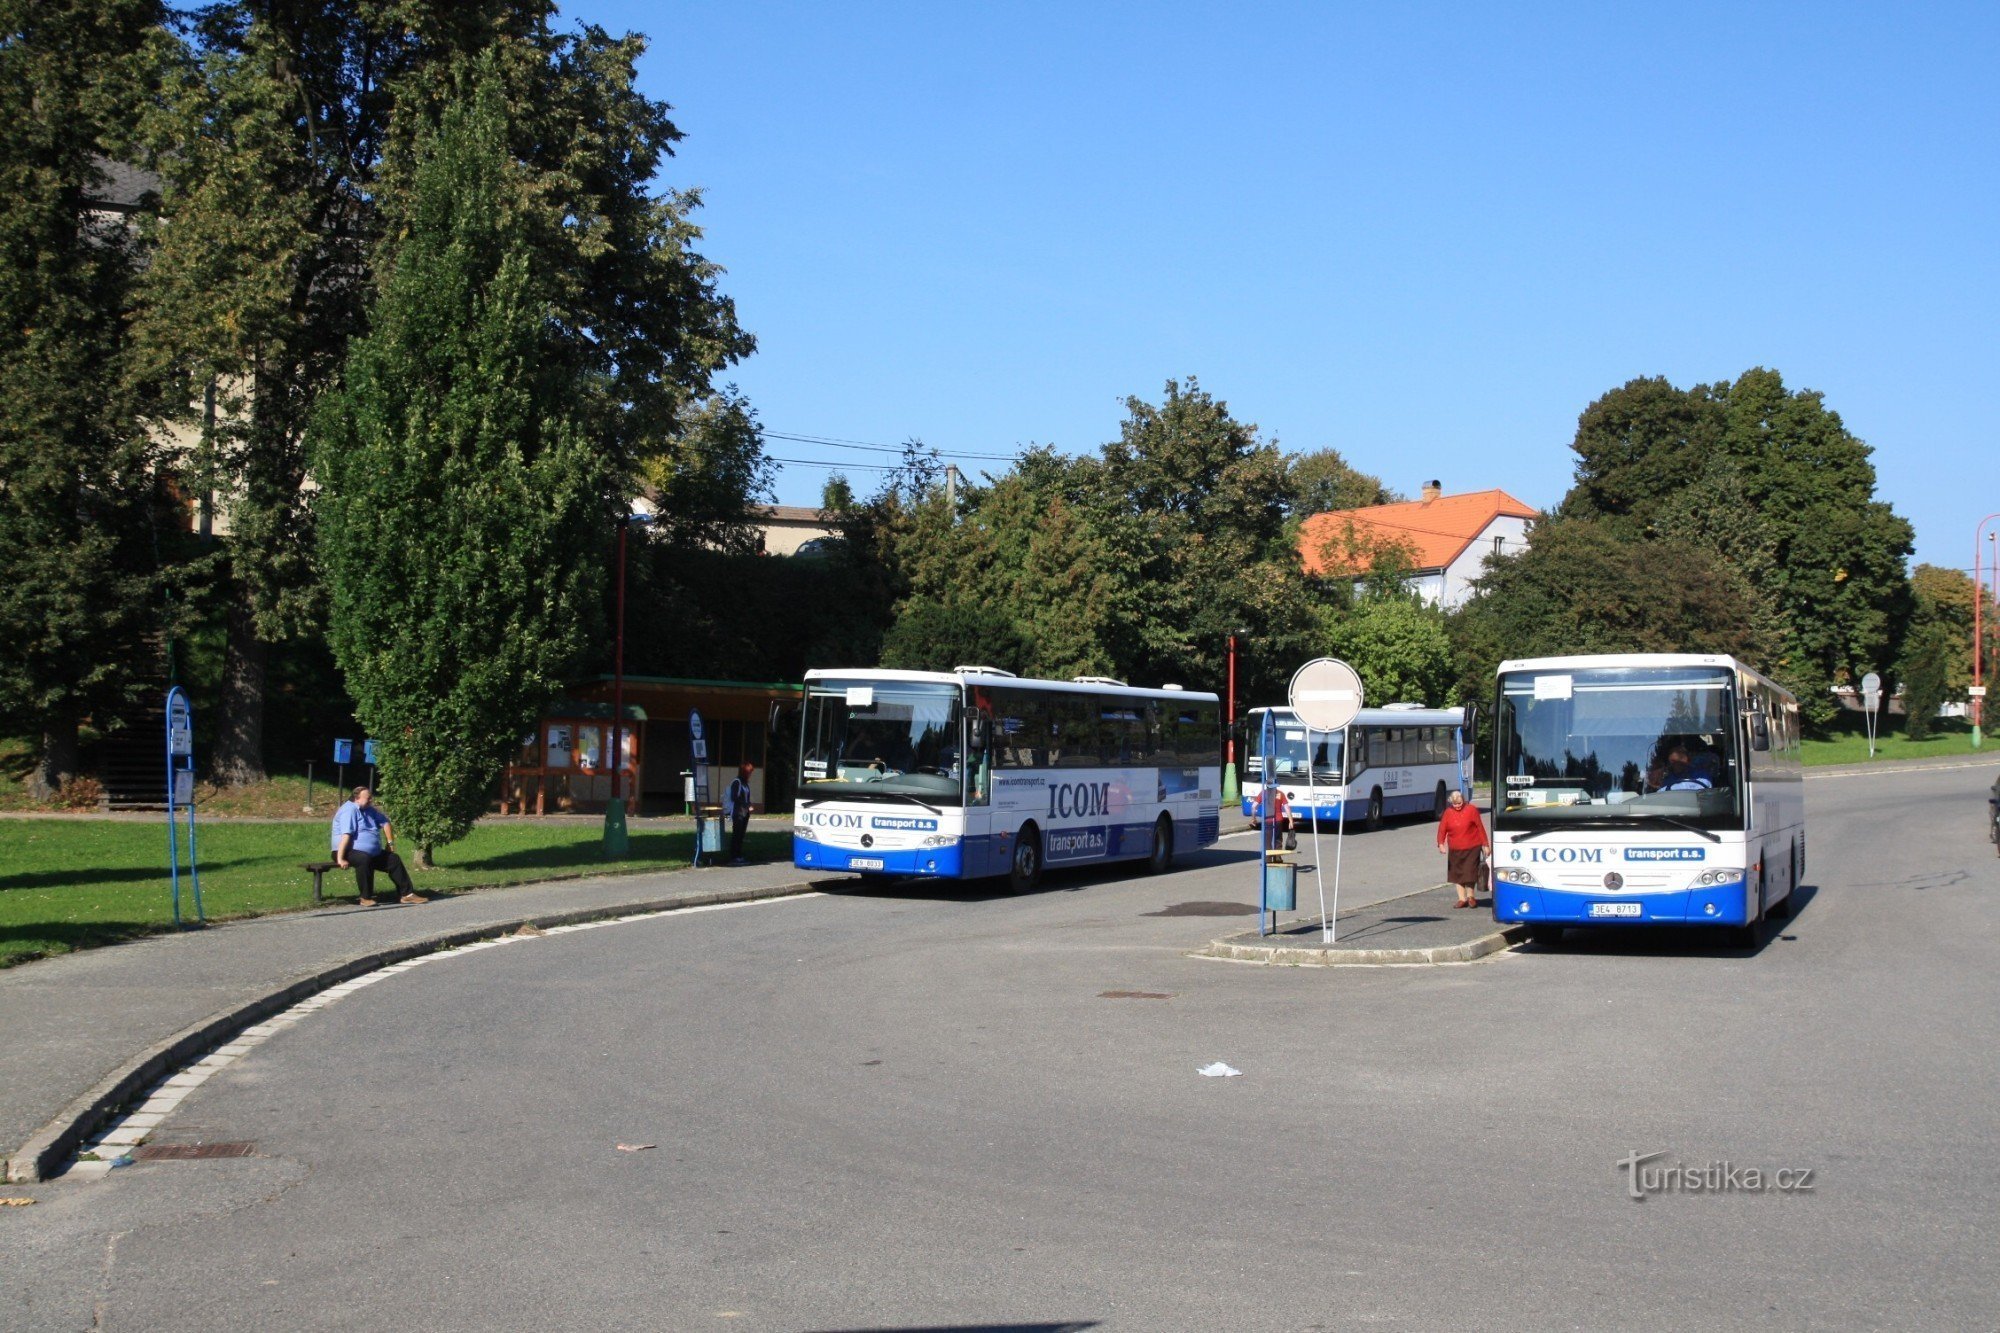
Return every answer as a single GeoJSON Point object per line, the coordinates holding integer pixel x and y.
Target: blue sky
{"type": "Point", "coordinates": [1425, 235]}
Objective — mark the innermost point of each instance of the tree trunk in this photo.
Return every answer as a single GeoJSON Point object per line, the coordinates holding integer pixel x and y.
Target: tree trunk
{"type": "Point", "coordinates": [424, 861]}
{"type": "Point", "coordinates": [59, 759]}
{"type": "Point", "coordinates": [239, 746]}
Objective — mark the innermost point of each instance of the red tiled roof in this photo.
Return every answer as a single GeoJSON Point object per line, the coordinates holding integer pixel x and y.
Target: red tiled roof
{"type": "Point", "coordinates": [1437, 531]}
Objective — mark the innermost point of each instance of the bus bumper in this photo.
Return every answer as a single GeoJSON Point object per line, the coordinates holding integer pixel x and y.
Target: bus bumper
{"type": "Point", "coordinates": [1725, 904]}
{"type": "Point", "coordinates": [940, 862]}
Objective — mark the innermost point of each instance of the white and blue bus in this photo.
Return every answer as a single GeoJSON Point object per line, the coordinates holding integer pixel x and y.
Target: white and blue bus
{"type": "Point", "coordinates": [1402, 759]}
{"type": "Point", "coordinates": [977, 772]}
{"type": "Point", "coordinates": [1642, 788]}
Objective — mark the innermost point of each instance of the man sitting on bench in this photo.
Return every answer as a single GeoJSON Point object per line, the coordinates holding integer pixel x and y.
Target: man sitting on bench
{"type": "Point", "coordinates": [362, 839]}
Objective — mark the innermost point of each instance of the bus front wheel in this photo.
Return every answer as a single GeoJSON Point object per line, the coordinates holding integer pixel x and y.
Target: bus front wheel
{"type": "Point", "coordinates": [1548, 937]}
{"type": "Point", "coordinates": [1025, 871]}
{"type": "Point", "coordinates": [1162, 856]}
{"type": "Point", "coordinates": [1375, 810]}
{"type": "Point", "coordinates": [1438, 805]}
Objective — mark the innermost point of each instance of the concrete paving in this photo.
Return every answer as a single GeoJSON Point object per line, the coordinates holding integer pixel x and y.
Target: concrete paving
{"type": "Point", "coordinates": [1422, 927]}
{"type": "Point", "coordinates": [82, 1033]}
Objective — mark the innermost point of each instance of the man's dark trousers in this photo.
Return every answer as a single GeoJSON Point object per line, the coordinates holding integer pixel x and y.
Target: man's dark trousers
{"type": "Point", "coordinates": [367, 863]}
{"type": "Point", "coordinates": [737, 825]}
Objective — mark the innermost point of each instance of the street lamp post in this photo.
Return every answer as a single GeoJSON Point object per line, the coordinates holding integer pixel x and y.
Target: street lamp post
{"type": "Point", "coordinates": [1231, 793]}
{"type": "Point", "coordinates": [1978, 642]}
{"type": "Point", "coordinates": [617, 842]}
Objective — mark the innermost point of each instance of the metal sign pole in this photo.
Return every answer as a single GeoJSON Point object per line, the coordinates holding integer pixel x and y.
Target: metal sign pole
{"type": "Point", "coordinates": [1267, 918]}
{"type": "Point", "coordinates": [1326, 694]}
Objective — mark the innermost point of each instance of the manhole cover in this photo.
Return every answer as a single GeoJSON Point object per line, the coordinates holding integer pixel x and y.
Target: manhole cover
{"type": "Point", "coordinates": [187, 1152]}
{"type": "Point", "coordinates": [1207, 909]}
{"type": "Point", "coordinates": [1134, 995]}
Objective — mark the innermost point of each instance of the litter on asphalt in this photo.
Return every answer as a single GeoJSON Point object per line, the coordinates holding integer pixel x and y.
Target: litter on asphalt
{"type": "Point", "coordinates": [1219, 1070]}
{"type": "Point", "coordinates": [636, 1147]}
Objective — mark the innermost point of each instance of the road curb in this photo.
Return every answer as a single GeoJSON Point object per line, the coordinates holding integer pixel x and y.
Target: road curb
{"type": "Point", "coordinates": [1293, 955]}
{"type": "Point", "coordinates": [51, 1147]}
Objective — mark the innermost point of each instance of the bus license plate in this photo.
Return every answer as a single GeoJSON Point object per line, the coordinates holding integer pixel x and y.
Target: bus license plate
{"type": "Point", "coordinates": [865, 863]}
{"type": "Point", "coordinates": [1614, 909]}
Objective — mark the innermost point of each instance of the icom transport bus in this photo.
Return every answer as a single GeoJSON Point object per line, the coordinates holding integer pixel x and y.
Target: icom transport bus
{"type": "Point", "coordinates": [976, 772]}
{"type": "Point", "coordinates": [1400, 760]}
{"type": "Point", "coordinates": [1635, 789]}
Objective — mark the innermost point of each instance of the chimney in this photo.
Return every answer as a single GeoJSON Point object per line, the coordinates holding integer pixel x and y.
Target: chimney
{"type": "Point", "coordinates": [1432, 491]}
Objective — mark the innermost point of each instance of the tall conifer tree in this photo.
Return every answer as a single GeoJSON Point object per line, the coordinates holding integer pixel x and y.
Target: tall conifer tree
{"type": "Point", "coordinates": [463, 505]}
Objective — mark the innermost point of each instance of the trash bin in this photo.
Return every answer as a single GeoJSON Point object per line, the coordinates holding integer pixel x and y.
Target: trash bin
{"type": "Point", "coordinates": [1281, 887]}
{"type": "Point", "coordinates": [711, 828]}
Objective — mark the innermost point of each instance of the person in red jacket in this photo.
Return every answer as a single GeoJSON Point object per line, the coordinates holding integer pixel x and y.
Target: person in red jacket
{"type": "Point", "coordinates": [1462, 839]}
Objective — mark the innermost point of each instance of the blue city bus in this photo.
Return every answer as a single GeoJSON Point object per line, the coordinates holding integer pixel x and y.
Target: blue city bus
{"type": "Point", "coordinates": [976, 772]}
{"type": "Point", "coordinates": [1402, 759]}
{"type": "Point", "coordinates": [1645, 788]}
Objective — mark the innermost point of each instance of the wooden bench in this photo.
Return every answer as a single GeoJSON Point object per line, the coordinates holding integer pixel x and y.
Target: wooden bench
{"type": "Point", "coordinates": [319, 869]}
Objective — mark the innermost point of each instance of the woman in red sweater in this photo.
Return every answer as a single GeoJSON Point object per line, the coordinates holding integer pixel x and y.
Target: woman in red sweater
{"type": "Point", "coordinates": [1462, 838]}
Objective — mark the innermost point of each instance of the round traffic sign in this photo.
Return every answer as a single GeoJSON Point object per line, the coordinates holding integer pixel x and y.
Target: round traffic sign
{"type": "Point", "coordinates": [1326, 694]}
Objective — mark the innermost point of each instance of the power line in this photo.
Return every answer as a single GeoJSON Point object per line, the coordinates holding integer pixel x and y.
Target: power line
{"type": "Point", "coordinates": [833, 443]}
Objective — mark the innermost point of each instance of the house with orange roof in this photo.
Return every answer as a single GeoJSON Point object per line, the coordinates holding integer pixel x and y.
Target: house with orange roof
{"type": "Point", "coordinates": [1446, 537]}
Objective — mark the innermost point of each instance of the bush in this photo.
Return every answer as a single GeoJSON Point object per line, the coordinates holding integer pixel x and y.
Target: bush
{"type": "Point", "coordinates": [80, 793]}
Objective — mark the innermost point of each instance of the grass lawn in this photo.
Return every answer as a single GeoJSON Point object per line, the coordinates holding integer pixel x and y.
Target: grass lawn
{"type": "Point", "coordinates": [77, 883]}
{"type": "Point", "coordinates": [1950, 739]}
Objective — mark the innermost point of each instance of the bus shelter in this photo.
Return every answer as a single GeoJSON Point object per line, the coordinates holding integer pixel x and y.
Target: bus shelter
{"type": "Point", "coordinates": [564, 766]}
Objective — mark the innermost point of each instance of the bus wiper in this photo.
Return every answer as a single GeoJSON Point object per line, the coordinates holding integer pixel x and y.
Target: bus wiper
{"type": "Point", "coordinates": [873, 796]}
{"type": "Point", "coordinates": [1526, 834]}
{"type": "Point", "coordinates": [913, 800]}
{"type": "Point", "coordinates": [1677, 823]}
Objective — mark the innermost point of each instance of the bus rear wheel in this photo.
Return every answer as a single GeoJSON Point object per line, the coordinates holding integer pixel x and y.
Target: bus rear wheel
{"type": "Point", "coordinates": [1024, 872]}
{"type": "Point", "coordinates": [1161, 857]}
{"type": "Point", "coordinates": [1375, 810]}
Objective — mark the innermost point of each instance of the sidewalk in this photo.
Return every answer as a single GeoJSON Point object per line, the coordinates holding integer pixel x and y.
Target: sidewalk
{"type": "Point", "coordinates": [81, 1033]}
{"type": "Point", "coordinates": [1420, 927]}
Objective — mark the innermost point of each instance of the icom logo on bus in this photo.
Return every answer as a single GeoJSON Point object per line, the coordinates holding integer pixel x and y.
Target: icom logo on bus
{"type": "Point", "coordinates": [824, 819]}
{"type": "Point", "coordinates": [1069, 800]}
{"type": "Point", "coordinates": [1565, 855]}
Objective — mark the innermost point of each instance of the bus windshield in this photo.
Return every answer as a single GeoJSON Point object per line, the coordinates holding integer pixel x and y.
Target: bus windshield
{"type": "Point", "coordinates": [1617, 747]}
{"type": "Point", "coordinates": [881, 738]}
{"type": "Point", "coordinates": [1295, 747]}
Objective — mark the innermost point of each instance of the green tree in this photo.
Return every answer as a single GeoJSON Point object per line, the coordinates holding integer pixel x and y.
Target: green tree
{"type": "Point", "coordinates": [1323, 481]}
{"type": "Point", "coordinates": [1781, 489]}
{"type": "Point", "coordinates": [1926, 673]}
{"type": "Point", "coordinates": [81, 511]}
{"type": "Point", "coordinates": [710, 483]}
{"type": "Point", "coordinates": [285, 140]}
{"type": "Point", "coordinates": [1579, 588]}
{"type": "Point", "coordinates": [1941, 599]}
{"type": "Point", "coordinates": [1399, 646]}
{"type": "Point", "coordinates": [464, 490]}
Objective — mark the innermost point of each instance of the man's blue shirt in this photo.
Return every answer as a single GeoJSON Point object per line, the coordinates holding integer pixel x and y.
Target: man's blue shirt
{"type": "Point", "coordinates": [365, 825]}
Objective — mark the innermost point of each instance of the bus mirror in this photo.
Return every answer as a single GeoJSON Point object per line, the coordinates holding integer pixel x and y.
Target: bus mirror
{"type": "Point", "coordinates": [979, 731]}
{"type": "Point", "coordinates": [1760, 732]}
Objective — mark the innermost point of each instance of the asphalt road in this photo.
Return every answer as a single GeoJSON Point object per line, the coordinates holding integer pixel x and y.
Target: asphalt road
{"type": "Point", "coordinates": [948, 1109]}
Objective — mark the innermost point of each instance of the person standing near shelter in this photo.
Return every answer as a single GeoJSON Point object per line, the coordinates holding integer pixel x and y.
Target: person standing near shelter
{"type": "Point", "coordinates": [1461, 837]}
{"type": "Point", "coordinates": [738, 802]}
{"type": "Point", "coordinates": [361, 838]}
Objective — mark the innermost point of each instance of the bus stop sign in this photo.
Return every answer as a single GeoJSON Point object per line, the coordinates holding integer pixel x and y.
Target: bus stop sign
{"type": "Point", "coordinates": [1326, 694]}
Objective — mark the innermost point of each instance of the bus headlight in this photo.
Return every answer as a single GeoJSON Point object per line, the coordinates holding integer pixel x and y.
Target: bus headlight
{"type": "Point", "coordinates": [804, 834]}
{"type": "Point", "coordinates": [1711, 877]}
{"type": "Point", "coordinates": [940, 840]}
{"type": "Point", "coordinates": [1513, 875]}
